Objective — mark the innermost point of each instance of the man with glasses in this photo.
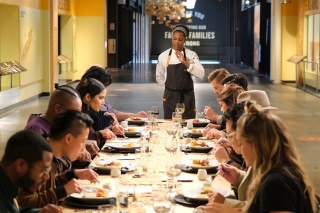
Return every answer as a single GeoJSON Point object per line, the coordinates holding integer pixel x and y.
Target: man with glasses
{"type": "Point", "coordinates": [67, 135]}
{"type": "Point", "coordinates": [26, 164]}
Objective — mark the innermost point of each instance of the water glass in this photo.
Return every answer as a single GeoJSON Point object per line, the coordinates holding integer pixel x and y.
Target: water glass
{"type": "Point", "coordinates": [106, 208]}
{"type": "Point", "coordinates": [180, 108]}
{"type": "Point", "coordinates": [161, 203]}
{"type": "Point", "coordinates": [176, 117]}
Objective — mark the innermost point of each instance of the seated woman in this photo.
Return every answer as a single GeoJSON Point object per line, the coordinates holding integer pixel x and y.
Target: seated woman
{"type": "Point", "coordinates": [227, 99]}
{"type": "Point", "coordinates": [101, 75]}
{"type": "Point", "coordinates": [279, 184]}
{"type": "Point", "coordinates": [93, 93]}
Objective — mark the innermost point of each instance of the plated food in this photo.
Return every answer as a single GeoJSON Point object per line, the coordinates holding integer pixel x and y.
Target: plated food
{"type": "Point", "coordinates": [92, 193]}
{"type": "Point", "coordinates": [204, 164]}
{"type": "Point", "coordinates": [199, 131]}
{"type": "Point", "coordinates": [202, 192]}
{"type": "Point", "coordinates": [135, 119]}
{"type": "Point", "coordinates": [198, 143]}
{"type": "Point", "coordinates": [199, 122]}
{"type": "Point", "coordinates": [124, 146]}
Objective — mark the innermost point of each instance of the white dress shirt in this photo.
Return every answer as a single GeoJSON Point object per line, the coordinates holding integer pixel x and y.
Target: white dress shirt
{"type": "Point", "coordinates": [195, 67]}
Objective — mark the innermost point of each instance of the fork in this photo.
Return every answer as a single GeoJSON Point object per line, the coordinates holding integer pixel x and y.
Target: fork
{"type": "Point", "coordinates": [124, 136]}
{"type": "Point", "coordinates": [201, 114]}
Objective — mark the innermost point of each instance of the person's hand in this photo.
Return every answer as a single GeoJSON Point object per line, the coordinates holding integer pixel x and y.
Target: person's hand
{"type": "Point", "coordinates": [221, 154]}
{"type": "Point", "coordinates": [215, 134]}
{"type": "Point", "coordinates": [84, 156]}
{"type": "Point", "coordinates": [180, 56]}
{"type": "Point", "coordinates": [141, 114]}
{"type": "Point", "coordinates": [209, 127]}
{"type": "Point", "coordinates": [92, 147]}
{"type": "Point", "coordinates": [210, 114]}
{"type": "Point", "coordinates": [51, 208]}
{"type": "Point", "coordinates": [230, 173]}
{"type": "Point", "coordinates": [216, 197]}
{"type": "Point", "coordinates": [73, 186]}
{"type": "Point", "coordinates": [86, 174]}
{"type": "Point", "coordinates": [115, 119]}
{"type": "Point", "coordinates": [107, 133]}
{"type": "Point", "coordinates": [223, 142]}
{"type": "Point", "coordinates": [118, 129]}
{"type": "Point", "coordinates": [219, 208]}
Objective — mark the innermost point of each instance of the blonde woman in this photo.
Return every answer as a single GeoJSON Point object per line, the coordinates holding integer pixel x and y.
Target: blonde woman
{"type": "Point", "coordinates": [279, 183]}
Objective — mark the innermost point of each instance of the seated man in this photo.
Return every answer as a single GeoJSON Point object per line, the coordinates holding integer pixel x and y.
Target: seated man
{"type": "Point", "coordinates": [215, 78]}
{"type": "Point", "coordinates": [64, 97]}
{"type": "Point", "coordinates": [26, 163]}
{"type": "Point", "coordinates": [67, 135]}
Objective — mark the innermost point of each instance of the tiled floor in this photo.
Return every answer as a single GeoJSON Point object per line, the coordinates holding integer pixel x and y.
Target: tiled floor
{"type": "Point", "coordinates": [134, 90]}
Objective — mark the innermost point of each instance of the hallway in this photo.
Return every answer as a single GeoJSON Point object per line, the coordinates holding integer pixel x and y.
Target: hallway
{"type": "Point", "coordinates": [135, 90]}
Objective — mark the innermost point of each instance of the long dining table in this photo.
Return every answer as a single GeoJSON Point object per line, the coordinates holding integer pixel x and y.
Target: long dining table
{"type": "Point", "coordinates": [146, 170]}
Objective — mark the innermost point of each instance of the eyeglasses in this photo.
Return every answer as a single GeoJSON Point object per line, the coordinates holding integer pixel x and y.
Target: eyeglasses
{"type": "Point", "coordinates": [230, 136]}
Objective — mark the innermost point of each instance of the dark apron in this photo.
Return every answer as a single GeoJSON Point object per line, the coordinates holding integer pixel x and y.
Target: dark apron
{"type": "Point", "coordinates": [178, 89]}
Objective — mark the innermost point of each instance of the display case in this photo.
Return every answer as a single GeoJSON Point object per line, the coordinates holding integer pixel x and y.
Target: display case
{"type": "Point", "coordinates": [9, 74]}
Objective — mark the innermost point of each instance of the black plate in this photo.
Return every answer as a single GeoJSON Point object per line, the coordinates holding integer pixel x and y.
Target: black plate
{"type": "Point", "coordinates": [189, 169]}
{"type": "Point", "coordinates": [200, 124]}
{"type": "Point", "coordinates": [192, 135]}
{"type": "Point", "coordinates": [127, 151]}
{"type": "Point", "coordinates": [187, 149]}
{"type": "Point", "coordinates": [71, 201]}
{"type": "Point", "coordinates": [180, 199]}
{"type": "Point", "coordinates": [131, 135]}
{"type": "Point", "coordinates": [136, 122]}
{"type": "Point", "coordinates": [100, 171]}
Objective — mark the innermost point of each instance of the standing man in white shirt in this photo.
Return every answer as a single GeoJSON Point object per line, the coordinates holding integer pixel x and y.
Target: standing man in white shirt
{"type": "Point", "coordinates": [174, 70]}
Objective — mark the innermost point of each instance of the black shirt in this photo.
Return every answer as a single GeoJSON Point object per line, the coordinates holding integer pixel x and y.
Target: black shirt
{"type": "Point", "coordinates": [281, 192]}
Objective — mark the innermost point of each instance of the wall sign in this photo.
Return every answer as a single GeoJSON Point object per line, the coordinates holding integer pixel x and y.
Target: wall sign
{"type": "Point", "coordinates": [208, 30]}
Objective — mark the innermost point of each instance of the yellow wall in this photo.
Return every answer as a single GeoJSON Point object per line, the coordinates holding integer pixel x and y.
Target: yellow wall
{"type": "Point", "coordinates": [89, 35]}
{"type": "Point", "coordinates": [89, 43]}
{"type": "Point", "coordinates": [33, 40]}
{"type": "Point", "coordinates": [87, 7]}
{"type": "Point", "coordinates": [289, 40]}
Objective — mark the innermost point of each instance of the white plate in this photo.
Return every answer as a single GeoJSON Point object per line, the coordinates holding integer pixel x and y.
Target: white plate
{"type": "Point", "coordinates": [195, 193]}
{"type": "Point", "coordinates": [140, 119]}
{"type": "Point", "coordinates": [201, 120]}
{"type": "Point", "coordinates": [210, 146]}
{"type": "Point", "coordinates": [103, 164]}
{"type": "Point", "coordinates": [89, 195]}
{"type": "Point", "coordinates": [122, 146]}
{"type": "Point", "coordinates": [212, 164]}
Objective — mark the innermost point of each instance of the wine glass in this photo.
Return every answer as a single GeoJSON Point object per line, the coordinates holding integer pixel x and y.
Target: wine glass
{"type": "Point", "coordinates": [171, 145]}
{"type": "Point", "coordinates": [155, 110]}
{"type": "Point", "coordinates": [173, 170]}
{"type": "Point", "coordinates": [180, 108]}
{"type": "Point", "coordinates": [176, 117]}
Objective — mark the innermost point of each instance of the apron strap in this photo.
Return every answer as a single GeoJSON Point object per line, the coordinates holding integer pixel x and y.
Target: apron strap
{"type": "Point", "coordinates": [170, 52]}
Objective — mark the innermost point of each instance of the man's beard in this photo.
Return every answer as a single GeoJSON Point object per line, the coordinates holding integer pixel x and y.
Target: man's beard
{"type": "Point", "coordinates": [26, 182]}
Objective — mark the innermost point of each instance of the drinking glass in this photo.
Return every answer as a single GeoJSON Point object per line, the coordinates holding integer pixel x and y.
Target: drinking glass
{"type": "Point", "coordinates": [155, 110]}
{"type": "Point", "coordinates": [171, 145]}
{"type": "Point", "coordinates": [180, 108]}
{"type": "Point", "coordinates": [173, 170]}
{"type": "Point", "coordinates": [161, 204]}
{"type": "Point", "coordinates": [106, 208]}
{"type": "Point", "coordinates": [176, 117]}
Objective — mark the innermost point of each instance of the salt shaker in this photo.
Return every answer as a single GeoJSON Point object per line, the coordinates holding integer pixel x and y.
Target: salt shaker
{"type": "Point", "coordinates": [115, 171]}
{"type": "Point", "coordinates": [202, 174]}
{"type": "Point", "coordinates": [189, 124]}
